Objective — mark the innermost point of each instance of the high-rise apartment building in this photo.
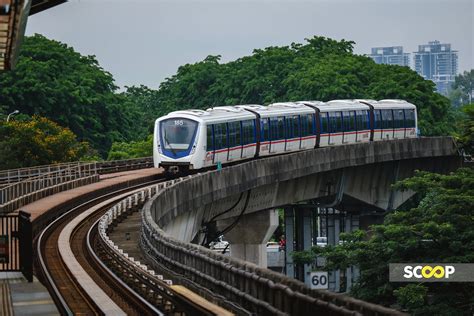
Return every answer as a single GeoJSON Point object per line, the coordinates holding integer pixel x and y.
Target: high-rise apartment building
{"type": "Point", "coordinates": [393, 55]}
{"type": "Point", "coordinates": [437, 62]}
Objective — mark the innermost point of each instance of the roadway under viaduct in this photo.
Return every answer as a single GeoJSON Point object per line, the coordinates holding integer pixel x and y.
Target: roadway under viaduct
{"type": "Point", "coordinates": [355, 178]}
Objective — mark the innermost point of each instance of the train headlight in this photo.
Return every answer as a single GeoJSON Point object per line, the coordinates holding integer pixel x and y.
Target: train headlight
{"type": "Point", "coordinates": [159, 149]}
{"type": "Point", "coordinates": [193, 150]}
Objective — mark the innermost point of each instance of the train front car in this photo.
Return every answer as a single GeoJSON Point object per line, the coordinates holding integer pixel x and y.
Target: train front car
{"type": "Point", "coordinates": [176, 137]}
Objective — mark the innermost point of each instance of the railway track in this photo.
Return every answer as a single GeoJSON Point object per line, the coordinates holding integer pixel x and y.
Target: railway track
{"type": "Point", "coordinates": [71, 297]}
{"type": "Point", "coordinates": [87, 274]}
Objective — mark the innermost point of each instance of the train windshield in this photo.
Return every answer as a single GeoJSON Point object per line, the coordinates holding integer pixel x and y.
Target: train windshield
{"type": "Point", "coordinates": [177, 135]}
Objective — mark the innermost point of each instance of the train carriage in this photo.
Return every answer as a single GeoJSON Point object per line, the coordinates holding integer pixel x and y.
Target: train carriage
{"type": "Point", "coordinates": [195, 139]}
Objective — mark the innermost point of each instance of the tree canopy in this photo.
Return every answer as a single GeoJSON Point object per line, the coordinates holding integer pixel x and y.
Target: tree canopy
{"type": "Point", "coordinates": [321, 69]}
{"type": "Point", "coordinates": [38, 141]}
{"type": "Point", "coordinates": [134, 149]}
{"type": "Point", "coordinates": [463, 89]}
{"type": "Point", "coordinates": [438, 229]}
{"type": "Point", "coordinates": [53, 80]}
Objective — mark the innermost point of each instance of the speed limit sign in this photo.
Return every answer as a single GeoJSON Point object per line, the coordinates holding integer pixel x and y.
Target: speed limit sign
{"type": "Point", "coordinates": [319, 280]}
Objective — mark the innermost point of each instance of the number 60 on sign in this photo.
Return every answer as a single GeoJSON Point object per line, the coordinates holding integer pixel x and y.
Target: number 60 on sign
{"type": "Point", "coordinates": [319, 280]}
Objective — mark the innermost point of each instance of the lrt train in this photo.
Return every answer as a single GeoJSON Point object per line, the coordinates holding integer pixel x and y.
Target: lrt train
{"type": "Point", "coordinates": [195, 139]}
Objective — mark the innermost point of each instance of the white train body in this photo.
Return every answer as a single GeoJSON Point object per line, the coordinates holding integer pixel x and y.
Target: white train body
{"type": "Point", "coordinates": [196, 139]}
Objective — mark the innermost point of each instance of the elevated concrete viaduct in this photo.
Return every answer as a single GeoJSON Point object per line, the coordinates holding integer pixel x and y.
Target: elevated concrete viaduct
{"type": "Point", "coordinates": [244, 197]}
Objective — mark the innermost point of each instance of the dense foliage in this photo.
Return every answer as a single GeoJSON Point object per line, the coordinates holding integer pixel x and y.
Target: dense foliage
{"type": "Point", "coordinates": [322, 69]}
{"type": "Point", "coordinates": [54, 81]}
{"type": "Point", "coordinates": [440, 228]}
{"type": "Point", "coordinates": [463, 89]}
{"type": "Point", "coordinates": [466, 127]}
{"type": "Point", "coordinates": [38, 141]}
{"type": "Point", "coordinates": [134, 149]}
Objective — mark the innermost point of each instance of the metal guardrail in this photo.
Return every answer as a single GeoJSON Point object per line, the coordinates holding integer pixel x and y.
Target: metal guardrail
{"type": "Point", "coordinates": [11, 176]}
{"type": "Point", "coordinates": [112, 166]}
{"type": "Point", "coordinates": [45, 180]}
{"type": "Point", "coordinates": [258, 290]}
{"type": "Point", "coordinates": [26, 185]}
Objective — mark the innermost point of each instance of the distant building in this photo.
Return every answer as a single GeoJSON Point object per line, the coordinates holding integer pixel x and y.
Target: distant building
{"type": "Point", "coordinates": [393, 55]}
{"type": "Point", "coordinates": [437, 62]}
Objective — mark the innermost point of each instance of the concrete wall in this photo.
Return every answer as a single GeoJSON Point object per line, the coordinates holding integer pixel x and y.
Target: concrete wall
{"type": "Point", "coordinates": [362, 173]}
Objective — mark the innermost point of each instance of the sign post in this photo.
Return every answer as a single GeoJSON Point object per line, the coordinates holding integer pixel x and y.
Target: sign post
{"type": "Point", "coordinates": [319, 280]}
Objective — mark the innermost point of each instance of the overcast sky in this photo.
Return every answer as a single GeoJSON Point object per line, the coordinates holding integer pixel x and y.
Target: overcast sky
{"type": "Point", "coordinates": [145, 41]}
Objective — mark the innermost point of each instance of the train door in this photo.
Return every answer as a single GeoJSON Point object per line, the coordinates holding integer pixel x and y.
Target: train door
{"type": "Point", "coordinates": [378, 127]}
{"type": "Point", "coordinates": [209, 159]}
{"type": "Point", "coordinates": [235, 143]}
{"type": "Point", "coordinates": [324, 136]}
{"type": "Point", "coordinates": [410, 123]}
{"type": "Point", "coordinates": [349, 126]}
{"type": "Point", "coordinates": [398, 124]}
{"type": "Point", "coordinates": [362, 126]}
{"type": "Point", "coordinates": [277, 134]}
{"type": "Point", "coordinates": [264, 137]}
{"type": "Point", "coordinates": [336, 129]}
{"type": "Point", "coordinates": [387, 124]}
{"type": "Point", "coordinates": [292, 133]}
{"type": "Point", "coordinates": [308, 138]}
{"type": "Point", "coordinates": [249, 140]}
{"type": "Point", "coordinates": [220, 143]}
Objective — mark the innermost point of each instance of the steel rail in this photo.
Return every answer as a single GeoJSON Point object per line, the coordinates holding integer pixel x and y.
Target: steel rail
{"type": "Point", "coordinates": [55, 292]}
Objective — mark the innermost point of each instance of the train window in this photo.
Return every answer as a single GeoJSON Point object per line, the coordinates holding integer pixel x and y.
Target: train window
{"type": "Point", "coordinates": [311, 124]}
{"type": "Point", "coordinates": [360, 120]}
{"type": "Point", "coordinates": [265, 129]}
{"type": "Point", "coordinates": [177, 134]}
{"type": "Point", "coordinates": [387, 119]}
{"type": "Point", "coordinates": [378, 119]}
{"type": "Point", "coordinates": [248, 132]}
{"type": "Point", "coordinates": [279, 128]}
{"type": "Point", "coordinates": [324, 123]}
{"type": "Point", "coordinates": [220, 136]}
{"type": "Point", "coordinates": [306, 125]}
{"type": "Point", "coordinates": [398, 119]}
{"type": "Point", "coordinates": [349, 121]}
{"type": "Point", "coordinates": [335, 122]}
{"type": "Point", "coordinates": [409, 118]}
{"type": "Point", "coordinates": [289, 127]}
{"type": "Point", "coordinates": [273, 121]}
{"type": "Point", "coordinates": [296, 126]}
{"type": "Point", "coordinates": [234, 134]}
{"type": "Point", "coordinates": [210, 140]}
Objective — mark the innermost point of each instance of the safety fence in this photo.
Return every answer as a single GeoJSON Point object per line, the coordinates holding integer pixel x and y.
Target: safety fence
{"type": "Point", "coordinates": [31, 189]}
{"type": "Point", "coordinates": [112, 166]}
{"type": "Point", "coordinates": [26, 185]}
{"type": "Point", "coordinates": [11, 176]}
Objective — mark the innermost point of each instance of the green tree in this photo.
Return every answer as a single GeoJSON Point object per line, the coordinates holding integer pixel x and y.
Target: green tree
{"type": "Point", "coordinates": [466, 126]}
{"type": "Point", "coordinates": [321, 69]}
{"type": "Point", "coordinates": [142, 105]}
{"type": "Point", "coordinates": [463, 88]}
{"type": "Point", "coordinates": [440, 228]}
{"type": "Point", "coordinates": [38, 141]}
{"type": "Point", "coordinates": [134, 149]}
{"type": "Point", "coordinates": [53, 80]}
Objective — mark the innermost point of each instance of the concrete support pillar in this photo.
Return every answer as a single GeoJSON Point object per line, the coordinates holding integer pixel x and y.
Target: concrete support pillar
{"type": "Point", "coordinates": [290, 238]}
{"type": "Point", "coordinates": [333, 231]}
{"type": "Point", "coordinates": [304, 239]}
{"type": "Point", "coordinates": [248, 239]}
